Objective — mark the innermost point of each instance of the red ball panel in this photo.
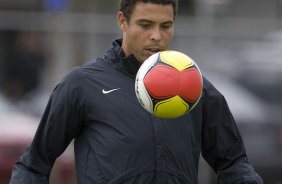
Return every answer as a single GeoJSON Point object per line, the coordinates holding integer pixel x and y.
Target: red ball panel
{"type": "Point", "coordinates": [164, 81]}
{"type": "Point", "coordinates": [190, 84]}
{"type": "Point", "coordinates": [161, 81]}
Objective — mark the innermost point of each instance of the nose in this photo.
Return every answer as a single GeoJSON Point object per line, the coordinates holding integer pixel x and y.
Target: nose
{"type": "Point", "coordinates": [156, 34]}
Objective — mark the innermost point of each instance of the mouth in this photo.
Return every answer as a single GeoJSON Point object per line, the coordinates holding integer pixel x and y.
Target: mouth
{"type": "Point", "coordinates": [153, 50]}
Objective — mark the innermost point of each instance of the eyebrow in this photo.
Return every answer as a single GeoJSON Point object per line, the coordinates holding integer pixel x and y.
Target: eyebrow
{"type": "Point", "coordinates": [149, 21]}
{"type": "Point", "coordinates": [144, 20]}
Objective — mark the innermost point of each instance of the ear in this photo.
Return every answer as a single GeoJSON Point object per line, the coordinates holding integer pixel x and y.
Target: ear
{"type": "Point", "coordinates": [121, 21]}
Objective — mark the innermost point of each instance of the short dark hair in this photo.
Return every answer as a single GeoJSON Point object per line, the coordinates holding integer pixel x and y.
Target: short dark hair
{"type": "Point", "coordinates": [127, 6]}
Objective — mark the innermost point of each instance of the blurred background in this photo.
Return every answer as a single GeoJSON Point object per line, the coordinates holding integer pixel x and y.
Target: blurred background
{"type": "Point", "coordinates": [236, 43]}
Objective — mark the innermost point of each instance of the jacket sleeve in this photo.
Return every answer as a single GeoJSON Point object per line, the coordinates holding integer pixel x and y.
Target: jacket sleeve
{"type": "Point", "coordinates": [60, 123]}
{"type": "Point", "coordinates": [222, 145]}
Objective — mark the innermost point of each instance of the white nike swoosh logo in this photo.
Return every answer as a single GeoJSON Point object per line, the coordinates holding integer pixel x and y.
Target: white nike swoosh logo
{"type": "Point", "coordinates": [109, 91]}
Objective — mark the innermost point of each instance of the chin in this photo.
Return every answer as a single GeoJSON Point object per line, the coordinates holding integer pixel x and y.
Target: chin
{"type": "Point", "coordinates": [147, 56]}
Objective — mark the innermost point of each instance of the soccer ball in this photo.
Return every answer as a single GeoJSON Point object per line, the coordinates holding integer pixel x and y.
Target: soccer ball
{"type": "Point", "coordinates": [168, 84]}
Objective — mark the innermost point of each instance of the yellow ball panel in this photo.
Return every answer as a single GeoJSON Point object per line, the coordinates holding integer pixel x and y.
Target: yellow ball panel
{"type": "Point", "coordinates": [171, 108]}
{"type": "Point", "coordinates": [176, 59]}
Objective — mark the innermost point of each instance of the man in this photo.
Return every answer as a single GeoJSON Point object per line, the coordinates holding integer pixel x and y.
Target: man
{"type": "Point", "coordinates": [116, 140]}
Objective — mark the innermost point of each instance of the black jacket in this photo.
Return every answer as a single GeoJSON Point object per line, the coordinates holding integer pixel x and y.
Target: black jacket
{"type": "Point", "coordinates": [118, 142]}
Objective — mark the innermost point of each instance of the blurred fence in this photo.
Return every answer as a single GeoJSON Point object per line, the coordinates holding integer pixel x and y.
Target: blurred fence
{"type": "Point", "coordinates": [74, 38]}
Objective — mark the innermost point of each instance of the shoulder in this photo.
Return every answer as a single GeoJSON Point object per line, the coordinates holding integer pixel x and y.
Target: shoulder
{"type": "Point", "coordinates": [90, 69]}
{"type": "Point", "coordinates": [211, 96]}
{"type": "Point", "coordinates": [74, 75]}
{"type": "Point", "coordinates": [209, 89]}
{"type": "Point", "coordinates": [72, 81]}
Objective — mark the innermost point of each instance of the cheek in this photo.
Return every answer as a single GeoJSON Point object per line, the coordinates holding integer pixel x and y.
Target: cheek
{"type": "Point", "coordinates": [135, 36]}
{"type": "Point", "coordinates": [168, 35]}
{"type": "Point", "coordinates": [138, 39]}
{"type": "Point", "coordinates": [140, 35]}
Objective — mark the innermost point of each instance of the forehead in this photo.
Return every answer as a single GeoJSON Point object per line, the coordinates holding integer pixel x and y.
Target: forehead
{"type": "Point", "coordinates": [152, 12]}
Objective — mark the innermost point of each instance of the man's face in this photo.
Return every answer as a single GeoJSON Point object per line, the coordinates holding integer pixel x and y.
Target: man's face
{"type": "Point", "coordinates": [148, 31]}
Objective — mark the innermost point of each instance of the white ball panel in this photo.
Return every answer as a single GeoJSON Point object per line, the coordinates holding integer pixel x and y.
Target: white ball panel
{"type": "Point", "coordinates": [140, 89]}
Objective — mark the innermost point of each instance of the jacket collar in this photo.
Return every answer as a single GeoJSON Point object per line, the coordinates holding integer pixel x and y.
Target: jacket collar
{"type": "Point", "coordinates": [128, 64]}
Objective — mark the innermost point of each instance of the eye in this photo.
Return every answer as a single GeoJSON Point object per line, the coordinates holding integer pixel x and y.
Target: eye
{"type": "Point", "coordinates": [144, 25]}
{"type": "Point", "coordinates": [166, 26]}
